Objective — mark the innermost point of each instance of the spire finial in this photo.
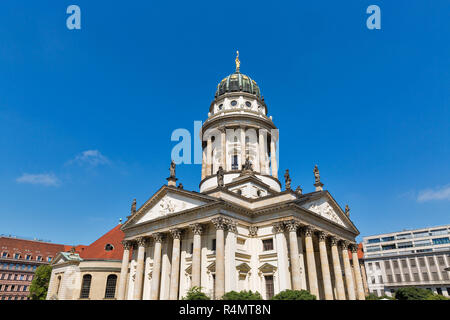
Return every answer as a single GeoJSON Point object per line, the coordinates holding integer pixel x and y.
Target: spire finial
{"type": "Point", "coordinates": [238, 63]}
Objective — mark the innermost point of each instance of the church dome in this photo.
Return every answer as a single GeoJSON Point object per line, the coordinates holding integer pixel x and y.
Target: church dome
{"type": "Point", "coordinates": [238, 82]}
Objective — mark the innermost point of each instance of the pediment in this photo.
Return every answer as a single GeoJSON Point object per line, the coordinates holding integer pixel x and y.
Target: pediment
{"type": "Point", "coordinates": [165, 202]}
{"type": "Point", "coordinates": [328, 210]}
{"type": "Point", "coordinates": [267, 268]}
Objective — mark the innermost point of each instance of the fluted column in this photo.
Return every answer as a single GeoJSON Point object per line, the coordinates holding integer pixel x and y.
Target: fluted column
{"type": "Point", "coordinates": [337, 269]}
{"type": "Point", "coordinates": [311, 262]}
{"type": "Point", "coordinates": [223, 142]}
{"type": "Point", "coordinates": [208, 156]}
{"type": "Point", "coordinates": [262, 158]}
{"type": "Point", "coordinates": [220, 224]}
{"type": "Point", "coordinates": [348, 272]}
{"type": "Point", "coordinates": [175, 272]}
{"type": "Point", "coordinates": [284, 279]}
{"type": "Point", "coordinates": [138, 282]}
{"type": "Point", "coordinates": [242, 146]}
{"type": "Point", "coordinates": [230, 256]}
{"type": "Point", "coordinates": [357, 272]}
{"type": "Point", "coordinates": [124, 270]}
{"type": "Point", "coordinates": [295, 259]}
{"type": "Point", "coordinates": [273, 157]}
{"type": "Point", "coordinates": [196, 254]}
{"type": "Point", "coordinates": [156, 271]}
{"type": "Point", "coordinates": [326, 277]}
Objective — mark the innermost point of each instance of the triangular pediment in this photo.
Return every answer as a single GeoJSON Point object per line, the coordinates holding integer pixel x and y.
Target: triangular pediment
{"type": "Point", "coordinates": [328, 209]}
{"type": "Point", "coordinates": [165, 202]}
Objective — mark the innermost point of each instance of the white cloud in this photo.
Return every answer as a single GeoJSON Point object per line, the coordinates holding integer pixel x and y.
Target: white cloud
{"type": "Point", "coordinates": [44, 179]}
{"type": "Point", "coordinates": [441, 193]}
{"type": "Point", "coordinates": [90, 157]}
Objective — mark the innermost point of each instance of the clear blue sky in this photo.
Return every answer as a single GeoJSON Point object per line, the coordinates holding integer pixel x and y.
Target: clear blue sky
{"type": "Point", "coordinates": [86, 115]}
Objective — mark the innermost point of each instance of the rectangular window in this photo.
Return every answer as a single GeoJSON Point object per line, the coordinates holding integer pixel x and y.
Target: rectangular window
{"type": "Point", "coordinates": [412, 262]}
{"type": "Point", "coordinates": [373, 249]}
{"type": "Point", "coordinates": [5, 254]}
{"type": "Point", "coordinates": [407, 278]}
{"type": "Point", "coordinates": [404, 264]}
{"type": "Point", "coordinates": [373, 240]}
{"type": "Point", "coordinates": [390, 279]}
{"type": "Point", "coordinates": [431, 261]}
{"type": "Point", "coordinates": [385, 239]}
{"type": "Point", "coordinates": [438, 232]}
{"type": "Point", "coordinates": [17, 256]}
{"type": "Point", "coordinates": [387, 265]}
{"type": "Point", "coordinates": [388, 247]}
{"type": "Point", "coordinates": [416, 277]}
{"type": "Point", "coordinates": [380, 279]}
{"type": "Point", "coordinates": [421, 234]}
{"type": "Point", "coordinates": [421, 243]}
{"type": "Point", "coordinates": [398, 277]}
{"type": "Point", "coordinates": [425, 276]}
{"type": "Point", "coordinates": [435, 276]}
{"type": "Point", "coordinates": [234, 162]}
{"type": "Point", "coordinates": [267, 244]}
{"type": "Point", "coordinates": [269, 287]}
{"type": "Point", "coordinates": [445, 275]}
{"type": "Point", "coordinates": [407, 244]}
{"type": "Point", "coordinates": [441, 240]}
{"type": "Point", "coordinates": [441, 261]}
{"type": "Point", "coordinates": [404, 236]}
{"type": "Point", "coordinates": [377, 266]}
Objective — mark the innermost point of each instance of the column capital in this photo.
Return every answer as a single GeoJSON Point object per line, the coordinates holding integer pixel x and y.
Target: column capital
{"type": "Point", "coordinates": [253, 231]}
{"type": "Point", "coordinates": [308, 231]}
{"type": "Point", "coordinates": [157, 237]}
{"type": "Point", "coordinates": [196, 228]}
{"type": "Point", "coordinates": [345, 244]}
{"type": "Point", "coordinates": [127, 244]}
{"type": "Point", "coordinates": [231, 225]}
{"type": "Point", "coordinates": [292, 225]}
{"type": "Point", "coordinates": [142, 241]}
{"type": "Point", "coordinates": [353, 247]}
{"type": "Point", "coordinates": [176, 233]}
{"type": "Point", "coordinates": [322, 235]}
{"type": "Point", "coordinates": [278, 227]}
{"type": "Point", "coordinates": [334, 240]}
{"type": "Point", "coordinates": [220, 223]}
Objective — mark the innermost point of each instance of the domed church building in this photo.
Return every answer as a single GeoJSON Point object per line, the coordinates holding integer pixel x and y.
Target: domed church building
{"type": "Point", "coordinates": [241, 231]}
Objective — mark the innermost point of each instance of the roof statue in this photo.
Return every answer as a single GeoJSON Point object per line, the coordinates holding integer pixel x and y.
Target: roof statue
{"type": "Point", "coordinates": [299, 190]}
{"type": "Point", "coordinates": [133, 207]}
{"type": "Point", "coordinates": [287, 180]}
{"type": "Point", "coordinates": [172, 169]}
{"type": "Point", "coordinates": [220, 175]}
{"type": "Point", "coordinates": [180, 186]}
{"type": "Point", "coordinates": [247, 166]}
{"type": "Point", "coordinates": [316, 174]}
{"type": "Point", "coordinates": [238, 63]}
{"type": "Point", "coordinates": [347, 210]}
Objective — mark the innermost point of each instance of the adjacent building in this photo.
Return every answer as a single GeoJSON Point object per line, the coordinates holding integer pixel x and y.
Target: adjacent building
{"type": "Point", "coordinates": [408, 258]}
{"type": "Point", "coordinates": [242, 230]}
{"type": "Point", "coordinates": [88, 272]}
{"type": "Point", "coordinates": [19, 259]}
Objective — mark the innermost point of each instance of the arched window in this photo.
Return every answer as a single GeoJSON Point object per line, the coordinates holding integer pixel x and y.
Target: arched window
{"type": "Point", "coordinates": [111, 281]}
{"type": "Point", "coordinates": [86, 286]}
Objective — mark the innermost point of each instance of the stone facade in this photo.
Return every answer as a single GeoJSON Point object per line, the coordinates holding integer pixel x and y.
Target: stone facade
{"type": "Point", "coordinates": [241, 232]}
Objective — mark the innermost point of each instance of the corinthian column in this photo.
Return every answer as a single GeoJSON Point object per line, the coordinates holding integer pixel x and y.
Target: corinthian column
{"type": "Point", "coordinates": [311, 262]}
{"type": "Point", "coordinates": [138, 282]}
{"type": "Point", "coordinates": [348, 272]}
{"type": "Point", "coordinates": [325, 266]}
{"type": "Point", "coordinates": [295, 259]}
{"type": "Point", "coordinates": [242, 146]}
{"type": "Point", "coordinates": [262, 148]}
{"type": "Point", "coordinates": [357, 271]}
{"type": "Point", "coordinates": [284, 279]}
{"type": "Point", "coordinates": [223, 142]}
{"type": "Point", "coordinates": [124, 270]}
{"type": "Point", "coordinates": [337, 269]}
{"type": "Point", "coordinates": [208, 157]}
{"type": "Point", "coordinates": [273, 157]}
{"type": "Point", "coordinates": [196, 254]}
{"type": "Point", "coordinates": [156, 271]}
{"type": "Point", "coordinates": [175, 272]}
{"type": "Point", "coordinates": [220, 224]}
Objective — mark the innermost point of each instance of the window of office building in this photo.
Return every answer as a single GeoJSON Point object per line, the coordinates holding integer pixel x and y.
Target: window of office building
{"type": "Point", "coordinates": [407, 278]}
{"type": "Point", "coordinates": [421, 234]}
{"type": "Point", "coordinates": [422, 262]}
{"type": "Point", "coordinates": [390, 279]}
{"type": "Point", "coordinates": [388, 247]}
{"type": "Point", "coordinates": [403, 262]}
{"type": "Point", "coordinates": [387, 265]}
{"type": "Point", "coordinates": [438, 232]}
{"type": "Point", "coordinates": [404, 236]}
{"type": "Point", "coordinates": [435, 276]}
{"type": "Point", "coordinates": [441, 240]}
{"type": "Point", "coordinates": [422, 243]}
{"type": "Point", "coordinates": [412, 263]}
{"type": "Point", "coordinates": [441, 261]}
{"type": "Point", "coordinates": [398, 278]}
{"type": "Point", "coordinates": [425, 276]}
{"type": "Point", "coordinates": [407, 244]}
{"type": "Point", "coordinates": [431, 261]}
{"type": "Point", "coordinates": [385, 239]}
{"type": "Point", "coordinates": [373, 240]}
{"type": "Point", "coordinates": [416, 277]}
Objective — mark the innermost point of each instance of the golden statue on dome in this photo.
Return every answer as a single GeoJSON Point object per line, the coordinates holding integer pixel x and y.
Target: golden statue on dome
{"type": "Point", "coordinates": [238, 63]}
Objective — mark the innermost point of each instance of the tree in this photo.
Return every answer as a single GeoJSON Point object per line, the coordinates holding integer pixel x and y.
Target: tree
{"type": "Point", "coordinates": [373, 296]}
{"type": "Point", "coordinates": [413, 293]}
{"type": "Point", "coordinates": [39, 285]}
{"type": "Point", "coordinates": [294, 295]}
{"type": "Point", "coordinates": [242, 295]}
{"type": "Point", "coordinates": [195, 293]}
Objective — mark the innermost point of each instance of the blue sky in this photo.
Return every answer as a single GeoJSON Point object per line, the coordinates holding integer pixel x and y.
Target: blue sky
{"type": "Point", "coordinates": [86, 115]}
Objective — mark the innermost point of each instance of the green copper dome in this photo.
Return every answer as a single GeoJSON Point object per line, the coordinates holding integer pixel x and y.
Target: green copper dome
{"type": "Point", "coordinates": [238, 82]}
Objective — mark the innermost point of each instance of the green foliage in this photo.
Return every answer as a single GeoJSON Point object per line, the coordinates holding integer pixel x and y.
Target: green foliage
{"type": "Point", "coordinates": [373, 296]}
{"type": "Point", "coordinates": [195, 293]}
{"type": "Point", "coordinates": [413, 293]}
{"type": "Point", "coordinates": [294, 295]}
{"type": "Point", "coordinates": [242, 295]}
{"type": "Point", "coordinates": [39, 285]}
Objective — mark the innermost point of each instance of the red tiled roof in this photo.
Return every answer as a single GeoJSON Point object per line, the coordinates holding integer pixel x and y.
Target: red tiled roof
{"type": "Point", "coordinates": [96, 250]}
{"type": "Point", "coordinates": [360, 252]}
{"type": "Point", "coordinates": [25, 247]}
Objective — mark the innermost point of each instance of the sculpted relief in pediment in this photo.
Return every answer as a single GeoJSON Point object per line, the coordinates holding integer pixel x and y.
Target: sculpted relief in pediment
{"type": "Point", "coordinates": [323, 208]}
